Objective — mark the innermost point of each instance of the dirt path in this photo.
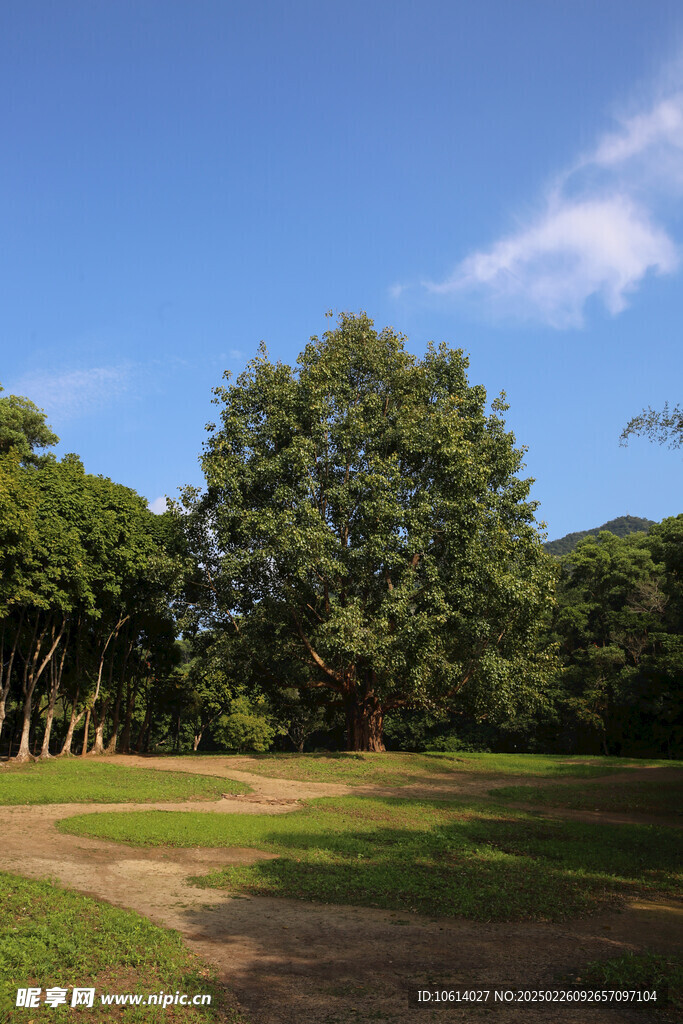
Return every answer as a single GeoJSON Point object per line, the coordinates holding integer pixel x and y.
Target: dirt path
{"type": "Point", "coordinates": [448, 786]}
{"type": "Point", "coordinates": [298, 963]}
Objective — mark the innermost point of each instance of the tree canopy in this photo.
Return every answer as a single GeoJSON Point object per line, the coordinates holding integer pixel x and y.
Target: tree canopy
{"type": "Point", "coordinates": [23, 427]}
{"type": "Point", "coordinates": [619, 625]}
{"type": "Point", "coordinates": [363, 517]}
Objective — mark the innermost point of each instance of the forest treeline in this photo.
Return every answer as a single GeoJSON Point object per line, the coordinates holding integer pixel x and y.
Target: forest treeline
{"type": "Point", "coordinates": [622, 526]}
{"type": "Point", "coordinates": [363, 568]}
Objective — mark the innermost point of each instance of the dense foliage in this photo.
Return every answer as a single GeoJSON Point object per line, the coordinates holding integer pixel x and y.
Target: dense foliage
{"type": "Point", "coordinates": [620, 624]}
{"type": "Point", "coordinates": [364, 522]}
{"type": "Point", "coordinates": [86, 624]}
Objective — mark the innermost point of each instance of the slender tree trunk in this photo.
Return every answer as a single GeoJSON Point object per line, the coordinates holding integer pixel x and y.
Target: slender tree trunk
{"type": "Point", "coordinates": [113, 633]}
{"type": "Point", "coordinates": [16, 732]}
{"type": "Point", "coordinates": [139, 746]}
{"type": "Point", "coordinates": [98, 747]}
{"type": "Point", "coordinates": [73, 722]}
{"type": "Point", "coordinates": [31, 679]}
{"type": "Point", "coordinates": [86, 727]}
{"type": "Point", "coordinates": [130, 704]}
{"type": "Point", "coordinates": [6, 670]}
{"type": "Point", "coordinates": [24, 754]}
{"type": "Point", "coordinates": [55, 682]}
{"type": "Point", "coordinates": [3, 713]}
{"type": "Point", "coordinates": [111, 746]}
{"type": "Point", "coordinates": [45, 749]}
{"type": "Point", "coordinates": [98, 742]}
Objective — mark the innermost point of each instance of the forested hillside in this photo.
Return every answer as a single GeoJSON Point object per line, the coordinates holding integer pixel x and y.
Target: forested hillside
{"type": "Point", "coordinates": [620, 527]}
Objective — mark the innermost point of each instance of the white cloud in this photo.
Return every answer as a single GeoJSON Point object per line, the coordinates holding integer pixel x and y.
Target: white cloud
{"type": "Point", "coordinates": [574, 250]}
{"type": "Point", "coordinates": [660, 126]}
{"type": "Point", "coordinates": [74, 393]}
{"type": "Point", "coordinates": [599, 230]}
{"type": "Point", "coordinates": [158, 506]}
{"type": "Point", "coordinates": [236, 353]}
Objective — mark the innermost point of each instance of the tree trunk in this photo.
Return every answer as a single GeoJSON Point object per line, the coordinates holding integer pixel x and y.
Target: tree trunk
{"type": "Point", "coordinates": [55, 683]}
{"type": "Point", "coordinates": [73, 722]}
{"type": "Point", "coordinates": [131, 693]}
{"type": "Point", "coordinates": [45, 749]}
{"type": "Point", "coordinates": [140, 745]}
{"type": "Point", "coordinates": [364, 725]}
{"type": "Point", "coordinates": [98, 742]}
{"type": "Point", "coordinates": [6, 670]}
{"type": "Point", "coordinates": [112, 636]}
{"type": "Point", "coordinates": [24, 754]}
{"type": "Point", "coordinates": [297, 737]}
{"type": "Point", "coordinates": [111, 746]}
{"type": "Point", "coordinates": [86, 727]}
{"type": "Point", "coordinates": [31, 678]}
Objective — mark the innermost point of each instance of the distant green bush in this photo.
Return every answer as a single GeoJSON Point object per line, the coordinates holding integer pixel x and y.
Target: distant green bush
{"type": "Point", "coordinates": [247, 728]}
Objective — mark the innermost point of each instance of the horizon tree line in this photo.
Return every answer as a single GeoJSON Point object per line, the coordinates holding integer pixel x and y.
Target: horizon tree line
{"type": "Point", "coordinates": [364, 555]}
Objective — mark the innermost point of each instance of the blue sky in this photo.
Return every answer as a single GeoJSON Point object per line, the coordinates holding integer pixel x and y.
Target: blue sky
{"type": "Point", "coordinates": [180, 180]}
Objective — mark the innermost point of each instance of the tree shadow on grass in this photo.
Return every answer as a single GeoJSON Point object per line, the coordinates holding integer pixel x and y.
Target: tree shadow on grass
{"type": "Point", "coordinates": [487, 869]}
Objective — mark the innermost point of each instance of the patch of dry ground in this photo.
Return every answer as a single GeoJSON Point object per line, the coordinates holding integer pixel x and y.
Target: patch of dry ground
{"type": "Point", "coordinates": [296, 963]}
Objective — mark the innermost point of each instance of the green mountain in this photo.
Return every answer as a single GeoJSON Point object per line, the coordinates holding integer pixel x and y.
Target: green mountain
{"type": "Point", "coordinates": [621, 527]}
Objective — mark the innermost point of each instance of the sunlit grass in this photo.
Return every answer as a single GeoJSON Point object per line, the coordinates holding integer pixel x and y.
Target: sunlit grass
{"type": "Point", "coordinates": [467, 858]}
{"type": "Point", "coordinates": [50, 937]}
{"type": "Point", "coordinates": [401, 769]}
{"type": "Point", "coordinates": [80, 781]}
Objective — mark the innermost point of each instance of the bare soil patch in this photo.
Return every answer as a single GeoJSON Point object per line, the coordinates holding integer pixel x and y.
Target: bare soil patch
{"type": "Point", "coordinates": [298, 963]}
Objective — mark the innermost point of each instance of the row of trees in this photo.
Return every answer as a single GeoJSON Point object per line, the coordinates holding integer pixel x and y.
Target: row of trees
{"type": "Point", "coordinates": [363, 560]}
{"type": "Point", "coordinates": [86, 590]}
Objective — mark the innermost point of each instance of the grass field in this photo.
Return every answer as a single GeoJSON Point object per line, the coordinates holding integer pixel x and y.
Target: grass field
{"type": "Point", "coordinates": [659, 797]}
{"type": "Point", "coordinates": [469, 858]}
{"type": "Point", "coordinates": [399, 769]}
{"type": "Point", "coordinates": [78, 781]}
{"type": "Point", "coordinates": [52, 937]}
{"type": "Point", "coordinates": [477, 857]}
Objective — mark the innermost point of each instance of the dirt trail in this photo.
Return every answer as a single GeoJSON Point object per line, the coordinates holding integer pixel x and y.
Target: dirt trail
{"type": "Point", "coordinates": [446, 786]}
{"type": "Point", "coordinates": [298, 963]}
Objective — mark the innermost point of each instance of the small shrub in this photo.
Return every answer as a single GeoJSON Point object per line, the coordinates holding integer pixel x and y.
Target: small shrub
{"type": "Point", "coordinates": [248, 728]}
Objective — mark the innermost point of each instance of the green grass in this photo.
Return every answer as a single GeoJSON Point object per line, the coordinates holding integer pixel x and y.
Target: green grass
{"type": "Point", "coordinates": [650, 971]}
{"type": "Point", "coordinates": [656, 797]}
{"type": "Point", "coordinates": [52, 937]}
{"type": "Point", "coordinates": [399, 769]}
{"type": "Point", "coordinates": [468, 858]}
{"type": "Point", "coordinates": [77, 781]}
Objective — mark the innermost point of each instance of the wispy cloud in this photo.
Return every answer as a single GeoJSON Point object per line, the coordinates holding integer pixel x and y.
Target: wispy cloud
{"type": "Point", "coordinates": [600, 228]}
{"type": "Point", "coordinates": [73, 393]}
{"type": "Point", "coordinates": [158, 506]}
